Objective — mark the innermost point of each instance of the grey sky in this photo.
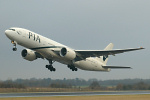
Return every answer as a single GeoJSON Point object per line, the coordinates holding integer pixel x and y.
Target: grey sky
{"type": "Point", "coordinates": [80, 24]}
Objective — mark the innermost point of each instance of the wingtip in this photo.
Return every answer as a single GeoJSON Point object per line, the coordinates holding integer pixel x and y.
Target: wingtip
{"type": "Point", "coordinates": [142, 48]}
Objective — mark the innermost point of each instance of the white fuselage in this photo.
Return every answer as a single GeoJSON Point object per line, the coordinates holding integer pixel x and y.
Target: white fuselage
{"type": "Point", "coordinates": [39, 43]}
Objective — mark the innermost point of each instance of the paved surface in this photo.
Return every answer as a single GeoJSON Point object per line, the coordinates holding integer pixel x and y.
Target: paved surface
{"type": "Point", "coordinates": [48, 94]}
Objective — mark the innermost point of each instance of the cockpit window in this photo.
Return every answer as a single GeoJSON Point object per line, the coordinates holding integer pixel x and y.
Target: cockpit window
{"type": "Point", "coordinates": [19, 32]}
{"type": "Point", "coordinates": [12, 29]}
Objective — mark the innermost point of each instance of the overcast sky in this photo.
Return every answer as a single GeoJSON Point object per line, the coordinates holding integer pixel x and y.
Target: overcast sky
{"type": "Point", "coordinates": [80, 24]}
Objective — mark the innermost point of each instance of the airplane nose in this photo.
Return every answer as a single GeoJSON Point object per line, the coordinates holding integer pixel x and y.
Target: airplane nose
{"type": "Point", "coordinates": [8, 33]}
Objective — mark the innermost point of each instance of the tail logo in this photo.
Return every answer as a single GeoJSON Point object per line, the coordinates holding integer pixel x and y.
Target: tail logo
{"type": "Point", "coordinates": [105, 57]}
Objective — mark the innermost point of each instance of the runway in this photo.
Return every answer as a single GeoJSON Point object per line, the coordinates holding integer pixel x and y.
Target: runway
{"type": "Point", "coordinates": [48, 94]}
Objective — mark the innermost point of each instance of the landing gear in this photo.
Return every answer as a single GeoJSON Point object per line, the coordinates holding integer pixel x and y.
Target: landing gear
{"type": "Point", "coordinates": [50, 66]}
{"type": "Point", "coordinates": [14, 44]}
{"type": "Point", "coordinates": [14, 49]}
{"type": "Point", "coordinates": [72, 68]}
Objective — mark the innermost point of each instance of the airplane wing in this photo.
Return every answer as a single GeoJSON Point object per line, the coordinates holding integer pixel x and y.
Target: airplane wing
{"type": "Point", "coordinates": [96, 53]}
{"type": "Point", "coordinates": [117, 67]}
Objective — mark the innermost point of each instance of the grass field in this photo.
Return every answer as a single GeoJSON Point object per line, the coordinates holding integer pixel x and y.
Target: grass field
{"type": "Point", "coordinates": [102, 97]}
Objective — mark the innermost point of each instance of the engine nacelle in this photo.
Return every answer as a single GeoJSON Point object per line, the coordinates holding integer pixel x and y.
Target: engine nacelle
{"type": "Point", "coordinates": [67, 53]}
{"type": "Point", "coordinates": [28, 54]}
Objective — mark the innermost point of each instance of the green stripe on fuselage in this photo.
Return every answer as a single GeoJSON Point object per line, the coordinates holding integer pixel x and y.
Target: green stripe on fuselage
{"type": "Point", "coordinates": [45, 47]}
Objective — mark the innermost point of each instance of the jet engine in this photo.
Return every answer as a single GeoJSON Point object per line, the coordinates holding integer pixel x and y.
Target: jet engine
{"type": "Point", "coordinates": [28, 54]}
{"type": "Point", "coordinates": [67, 53]}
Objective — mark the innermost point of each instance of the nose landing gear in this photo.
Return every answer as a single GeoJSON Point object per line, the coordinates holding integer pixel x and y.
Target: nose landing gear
{"type": "Point", "coordinates": [14, 45]}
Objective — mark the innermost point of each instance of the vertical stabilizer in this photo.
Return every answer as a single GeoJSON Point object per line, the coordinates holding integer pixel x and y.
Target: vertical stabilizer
{"type": "Point", "coordinates": [109, 47]}
{"type": "Point", "coordinates": [104, 58]}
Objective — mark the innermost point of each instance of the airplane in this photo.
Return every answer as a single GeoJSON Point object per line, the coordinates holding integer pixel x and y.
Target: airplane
{"type": "Point", "coordinates": [39, 46]}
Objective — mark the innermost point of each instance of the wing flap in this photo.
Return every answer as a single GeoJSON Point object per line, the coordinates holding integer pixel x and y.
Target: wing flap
{"type": "Point", "coordinates": [115, 67]}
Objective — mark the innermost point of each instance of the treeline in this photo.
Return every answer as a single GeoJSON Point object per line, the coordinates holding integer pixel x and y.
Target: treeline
{"type": "Point", "coordinates": [10, 84]}
{"type": "Point", "coordinates": [33, 82]}
{"type": "Point", "coordinates": [137, 86]}
{"type": "Point", "coordinates": [94, 84]}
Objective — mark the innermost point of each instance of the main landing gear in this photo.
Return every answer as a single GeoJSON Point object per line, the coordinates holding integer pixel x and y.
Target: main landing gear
{"type": "Point", "coordinates": [72, 68]}
{"type": "Point", "coordinates": [50, 66]}
{"type": "Point", "coordinates": [14, 45]}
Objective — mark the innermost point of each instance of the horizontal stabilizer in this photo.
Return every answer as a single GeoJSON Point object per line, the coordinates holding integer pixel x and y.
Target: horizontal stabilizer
{"type": "Point", "coordinates": [115, 67]}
